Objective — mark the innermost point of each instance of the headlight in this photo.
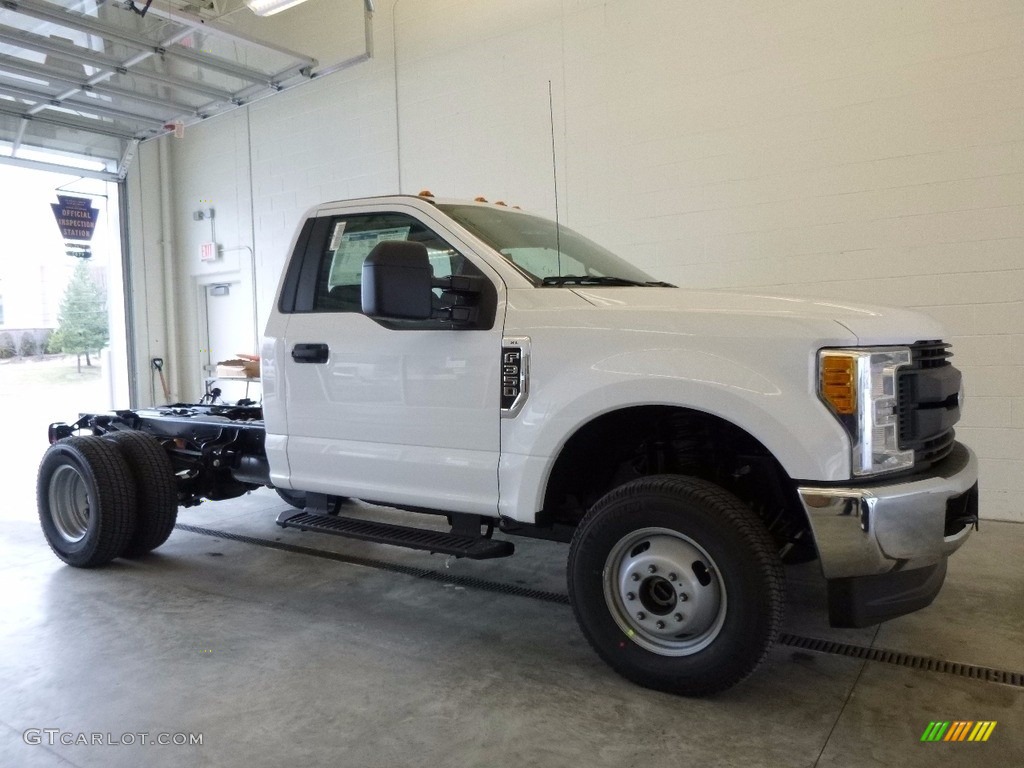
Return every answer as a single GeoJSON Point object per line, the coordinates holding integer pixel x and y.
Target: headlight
{"type": "Point", "coordinates": [859, 387]}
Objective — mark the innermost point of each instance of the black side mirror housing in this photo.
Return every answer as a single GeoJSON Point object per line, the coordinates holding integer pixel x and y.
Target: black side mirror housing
{"type": "Point", "coordinates": [397, 281]}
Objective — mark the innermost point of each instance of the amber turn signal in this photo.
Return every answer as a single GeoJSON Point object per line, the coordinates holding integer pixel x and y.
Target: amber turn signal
{"type": "Point", "coordinates": [839, 382]}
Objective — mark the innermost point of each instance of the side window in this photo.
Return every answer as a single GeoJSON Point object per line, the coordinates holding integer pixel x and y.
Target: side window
{"type": "Point", "coordinates": [351, 238]}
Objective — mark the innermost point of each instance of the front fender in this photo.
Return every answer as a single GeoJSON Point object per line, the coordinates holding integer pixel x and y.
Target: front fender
{"type": "Point", "coordinates": [772, 397]}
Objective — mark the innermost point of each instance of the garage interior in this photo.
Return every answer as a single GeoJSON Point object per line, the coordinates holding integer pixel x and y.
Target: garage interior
{"type": "Point", "coordinates": [862, 153]}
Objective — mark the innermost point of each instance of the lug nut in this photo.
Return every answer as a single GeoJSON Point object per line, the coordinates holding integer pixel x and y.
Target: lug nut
{"type": "Point", "coordinates": [652, 569]}
{"type": "Point", "coordinates": [678, 617]}
{"type": "Point", "coordinates": [630, 596]}
{"type": "Point", "coordinates": [641, 615]}
{"type": "Point", "coordinates": [635, 576]}
{"type": "Point", "coordinates": [671, 577]}
{"type": "Point", "coordinates": [660, 625]}
{"type": "Point", "coordinates": [683, 597]}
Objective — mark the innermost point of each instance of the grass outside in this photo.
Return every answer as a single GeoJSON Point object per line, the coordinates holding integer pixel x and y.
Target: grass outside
{"type": "Point", "coordinates": [29, 377]}
{"type": "Point", "coordinates": [34, 393]}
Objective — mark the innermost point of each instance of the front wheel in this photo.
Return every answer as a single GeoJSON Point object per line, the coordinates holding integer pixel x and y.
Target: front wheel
{"type": "Point", "coordinates": [676, 584]}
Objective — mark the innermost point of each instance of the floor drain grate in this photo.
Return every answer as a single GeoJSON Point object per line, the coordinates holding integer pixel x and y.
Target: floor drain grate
{"type": "Point", "coordinates": [911, 660]}
{"type": "Point", "coordinates": [881, 655]}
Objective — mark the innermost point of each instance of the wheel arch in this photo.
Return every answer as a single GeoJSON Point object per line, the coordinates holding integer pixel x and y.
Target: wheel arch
{"type": "Point", "coordinates": [630, 442]}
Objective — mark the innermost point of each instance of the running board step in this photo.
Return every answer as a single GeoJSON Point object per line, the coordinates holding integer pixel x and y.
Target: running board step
{"type": "Point", "coordinates": [475, 548]}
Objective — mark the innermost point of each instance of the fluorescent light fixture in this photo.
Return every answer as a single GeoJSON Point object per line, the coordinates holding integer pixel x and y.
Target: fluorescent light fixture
{"type": "Point", "coordinates": [270, 7]}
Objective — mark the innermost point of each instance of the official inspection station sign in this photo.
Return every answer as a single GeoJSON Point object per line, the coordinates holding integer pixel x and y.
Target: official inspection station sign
{"type": "Point", "coordinates": [76, 217]}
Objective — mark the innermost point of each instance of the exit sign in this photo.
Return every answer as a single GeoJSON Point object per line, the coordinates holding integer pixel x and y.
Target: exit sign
{"type": "Point", "coordinates": [208, 252]}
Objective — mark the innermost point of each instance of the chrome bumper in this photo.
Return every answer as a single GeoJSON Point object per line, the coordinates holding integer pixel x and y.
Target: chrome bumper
{"type": "Point", "coordinates": [876, 528]}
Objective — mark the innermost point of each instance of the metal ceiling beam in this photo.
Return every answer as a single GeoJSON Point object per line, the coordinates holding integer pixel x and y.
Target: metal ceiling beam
{"type": "Point", "coordinates": [108, 64]}
{"type": "Point", "coordinates": [51, 13]}
{"type": "Point", "coordinates": [71, 97]}
{"type": "Point", "coordinates": [68, 51]}
{"type": "Point", "coordinates": [38, 165]}
{"type": "Point", "coordinates": [177, 107]}
{"type": "Point", "coordinates": [70, 123]}
{"type": "Point", "coordinates": [199, 24]}
{"type": "Point", "coordinates": [57, 94]}
{"type": "Point", "coordinates": [206, 61]}
{"type": "Point", "coordinates": [39, 72]}
{"type": "Point", "coordinates": [47, 101]}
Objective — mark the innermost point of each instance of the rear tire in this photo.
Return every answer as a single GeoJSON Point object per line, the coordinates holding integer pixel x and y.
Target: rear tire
{"type": "Point", "coordinates": [156, 490]}
{"type": "Point", "coordinates": [86, 498]}
{"type": "Point", "coordinates": [676, 584]}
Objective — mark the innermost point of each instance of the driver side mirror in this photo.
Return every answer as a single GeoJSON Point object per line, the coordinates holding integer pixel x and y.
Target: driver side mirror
{"type": "Point", "coordinates": [397, 281]}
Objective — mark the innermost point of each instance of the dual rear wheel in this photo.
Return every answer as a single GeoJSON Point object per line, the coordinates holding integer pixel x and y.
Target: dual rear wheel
{"type": "Point", "coordinates": [100, 498]}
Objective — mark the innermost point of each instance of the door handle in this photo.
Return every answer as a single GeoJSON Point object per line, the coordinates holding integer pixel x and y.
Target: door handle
{"type": "Point", "coordinates": [310, 353]}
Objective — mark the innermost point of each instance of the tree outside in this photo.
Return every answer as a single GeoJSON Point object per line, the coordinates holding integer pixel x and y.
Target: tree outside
{"type": "Point", "coordinates": [82, 324]}
{"type": "Point", "coordinates": [7, 348]}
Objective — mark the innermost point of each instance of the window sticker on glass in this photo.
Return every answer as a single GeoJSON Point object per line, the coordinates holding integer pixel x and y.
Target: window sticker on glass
{"type": "Point", "coordinates": [352, 250]}
{"type": "Point", "coordinates": [339, 230]}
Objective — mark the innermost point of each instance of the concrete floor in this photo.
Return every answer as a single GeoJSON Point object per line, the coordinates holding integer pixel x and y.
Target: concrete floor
{"type": "Point", "coordinates": [279, 658]}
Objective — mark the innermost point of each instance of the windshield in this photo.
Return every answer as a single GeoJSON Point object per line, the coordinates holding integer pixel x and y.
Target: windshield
{"type": "Point", "coordinates": [549, 254]}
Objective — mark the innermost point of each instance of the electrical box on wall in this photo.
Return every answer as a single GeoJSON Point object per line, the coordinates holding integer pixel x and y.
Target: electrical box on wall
{"type": "Point", "coordinates": [208, 252]}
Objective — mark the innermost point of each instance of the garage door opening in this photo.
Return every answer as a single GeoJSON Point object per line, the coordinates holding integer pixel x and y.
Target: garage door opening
{"type": "Point", "coordinates": [62, 315]}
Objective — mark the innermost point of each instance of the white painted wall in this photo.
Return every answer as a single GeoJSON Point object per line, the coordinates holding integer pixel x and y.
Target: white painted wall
{"type": "Point", "coordinates": [868, 151]}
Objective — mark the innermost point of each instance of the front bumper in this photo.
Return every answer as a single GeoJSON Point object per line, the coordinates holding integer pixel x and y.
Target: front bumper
{"type": "Point", "coordinates": [883, 546]}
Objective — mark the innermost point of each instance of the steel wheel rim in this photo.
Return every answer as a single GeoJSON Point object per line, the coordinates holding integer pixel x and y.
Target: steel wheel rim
{"type": "Point", "coordinates": [69, 504]}
{"type": "Point", "coordinates": [664, 591]}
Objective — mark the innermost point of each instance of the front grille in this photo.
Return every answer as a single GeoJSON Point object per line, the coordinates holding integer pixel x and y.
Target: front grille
{"type": "Point", "coordinates": [931, 354]}
{"type": "Point", "coordinates": [928, 402]}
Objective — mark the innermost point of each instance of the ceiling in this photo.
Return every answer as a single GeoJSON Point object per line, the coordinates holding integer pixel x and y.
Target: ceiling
{"type": "Point", "coordinates": [82, 82]}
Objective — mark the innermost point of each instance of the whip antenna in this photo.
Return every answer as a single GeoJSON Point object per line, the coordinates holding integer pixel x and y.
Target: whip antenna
{"type": "Point", "coordinates": [554, 176]}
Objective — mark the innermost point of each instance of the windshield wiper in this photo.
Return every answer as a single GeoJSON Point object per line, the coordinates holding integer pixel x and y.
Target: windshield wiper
{"type": "Point", "coordinates": [599, 280]}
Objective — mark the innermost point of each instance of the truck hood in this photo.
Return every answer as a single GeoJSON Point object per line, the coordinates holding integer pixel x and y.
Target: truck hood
{"type": "Point", "coordinates": [870, 324]}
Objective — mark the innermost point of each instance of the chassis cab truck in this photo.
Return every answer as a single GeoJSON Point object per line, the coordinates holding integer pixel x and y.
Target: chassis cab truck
{"type": "Point", "coordinates": [492, 367]}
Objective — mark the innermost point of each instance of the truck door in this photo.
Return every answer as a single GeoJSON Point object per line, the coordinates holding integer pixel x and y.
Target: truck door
{"type": "Point", "coordinates": [403, 413]}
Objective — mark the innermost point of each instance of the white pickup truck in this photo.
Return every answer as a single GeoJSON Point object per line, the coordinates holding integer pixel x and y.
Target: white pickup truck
{"type": "Point", "coordinates": [468, 360]}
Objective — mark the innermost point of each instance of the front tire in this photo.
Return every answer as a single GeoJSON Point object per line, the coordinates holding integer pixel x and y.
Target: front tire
{"type": "Point", "coordinates": [86, 499]}
{"type": "Point", "coordinates": [676, 584]}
